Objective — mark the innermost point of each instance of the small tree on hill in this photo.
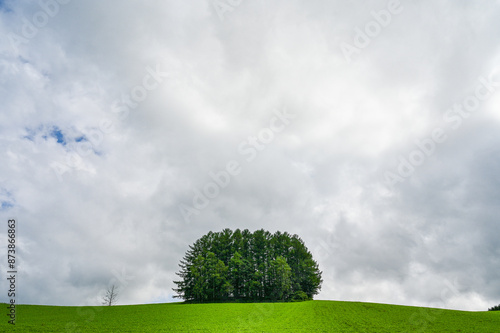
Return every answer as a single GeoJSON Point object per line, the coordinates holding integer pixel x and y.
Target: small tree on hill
{"type": "Point", "coordinates": [111, 296]}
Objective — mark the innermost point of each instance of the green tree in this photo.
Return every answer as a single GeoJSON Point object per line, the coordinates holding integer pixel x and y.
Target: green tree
{"type": "Point", "coordinates": [236, 274]}
{"type": "Point", "coordinates": [280, 279]}
{"type": "Point", "coordinates": [217, 286]}
{"type": "Point", "coordinates": [197, 282]}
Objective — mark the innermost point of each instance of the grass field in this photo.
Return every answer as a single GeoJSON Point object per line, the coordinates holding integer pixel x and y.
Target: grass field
{"type": "Point", "coordinates": [311, 316]}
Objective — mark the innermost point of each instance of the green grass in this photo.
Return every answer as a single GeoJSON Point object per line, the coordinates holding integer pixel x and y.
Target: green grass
{"type": "Point", "coordinates": [311, 316]}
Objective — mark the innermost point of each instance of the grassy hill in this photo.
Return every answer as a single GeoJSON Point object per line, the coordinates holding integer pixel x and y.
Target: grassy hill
{"type": "Point", "coordinates": [311, 316]}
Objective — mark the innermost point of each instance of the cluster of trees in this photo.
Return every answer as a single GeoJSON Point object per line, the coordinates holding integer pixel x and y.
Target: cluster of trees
{"type": "Point", "coordinates": [245, 266]}
{"type": "Point", "coordinates": [495, 308]}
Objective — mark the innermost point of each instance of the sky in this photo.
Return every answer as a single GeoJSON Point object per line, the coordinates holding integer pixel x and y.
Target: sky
{"type": "Point", "coordinates": [129, 129]}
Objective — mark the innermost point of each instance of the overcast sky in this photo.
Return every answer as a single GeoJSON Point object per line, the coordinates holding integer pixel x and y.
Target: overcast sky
{"type": "Point", "coordinates": [129, 129]}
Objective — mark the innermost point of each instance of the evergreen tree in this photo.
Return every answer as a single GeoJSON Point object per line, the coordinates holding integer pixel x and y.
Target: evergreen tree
{"type": "Point", "coordinates": [281, 283]}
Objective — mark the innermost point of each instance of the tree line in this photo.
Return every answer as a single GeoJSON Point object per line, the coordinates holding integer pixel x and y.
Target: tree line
{"type": "Point", "coordinates": [495, 308]}
{"type": "Point", "coordinates": [244, 266]}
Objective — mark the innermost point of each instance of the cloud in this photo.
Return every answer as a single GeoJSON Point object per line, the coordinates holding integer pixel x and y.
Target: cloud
{"type": "Point", "coordinates": [115, 114]}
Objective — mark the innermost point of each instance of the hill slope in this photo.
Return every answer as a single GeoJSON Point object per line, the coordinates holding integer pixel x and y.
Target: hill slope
{"type": "Point", "coordinates": [311, 316]}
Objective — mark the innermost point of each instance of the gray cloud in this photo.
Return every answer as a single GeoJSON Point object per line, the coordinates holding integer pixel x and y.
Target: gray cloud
{"type": "Point", "coordinates": [102, 204]}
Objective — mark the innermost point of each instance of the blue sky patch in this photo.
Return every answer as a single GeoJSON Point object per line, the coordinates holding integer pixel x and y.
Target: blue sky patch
{"type": "Point", "coordinates": [6, 199]}
{"type": "Point", "coordinates": [6, 205]}
{"type": "Point", "coordinates": [58, 135]}
{"type": "Point", "coordinates": [4, 7]}
{"type": "Point", "coordinates": [47, 132]}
